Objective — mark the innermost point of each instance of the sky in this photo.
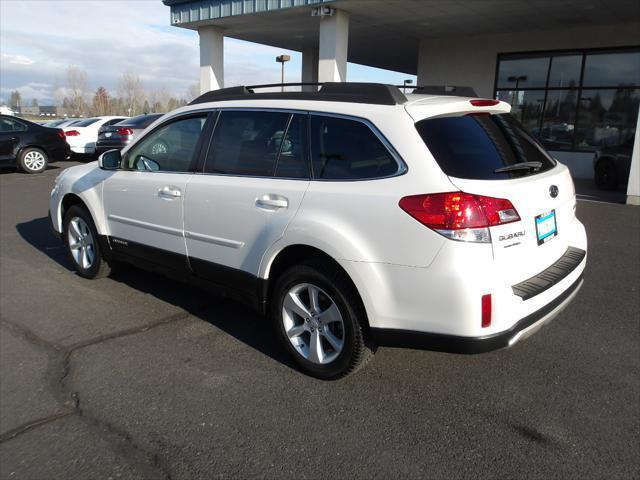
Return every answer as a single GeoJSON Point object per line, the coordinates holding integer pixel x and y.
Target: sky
{"type": "Point", "coordinates": [40, 39]}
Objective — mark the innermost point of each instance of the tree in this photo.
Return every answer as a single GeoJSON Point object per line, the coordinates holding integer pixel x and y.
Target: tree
{"type": "Point", "coordinates": [158, 100]}
{"type": "Point", "coordinates": [131, 92]}
{"type": "Point", "coordinates": [34, 102]}
{"type": "Point", "coordinates": [15, 100]}
{"type": "Point", "coordinates": [100, 103]}
{"type": "Point", "coordinates": [77, 86]}
{"type": "Point", "coordinates": [146, 108]}
{"type": "Point", "coordinates": [193, 92]}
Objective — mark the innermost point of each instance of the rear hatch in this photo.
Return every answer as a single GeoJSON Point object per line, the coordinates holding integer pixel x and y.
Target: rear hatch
{"type": "Point", "coordinates": [491, 154]}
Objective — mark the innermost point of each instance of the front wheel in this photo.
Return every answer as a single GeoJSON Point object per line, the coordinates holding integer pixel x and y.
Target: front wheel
{"type": "Point", "coordinates": [33, 160]}
{"type": "Point", "coordinates": [81, 240]}
{"type": "Point", "coordinates": [320, 320]}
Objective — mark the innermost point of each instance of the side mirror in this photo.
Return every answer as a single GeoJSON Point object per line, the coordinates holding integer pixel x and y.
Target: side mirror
{"type": "Point", "coordinates": [110, 160]}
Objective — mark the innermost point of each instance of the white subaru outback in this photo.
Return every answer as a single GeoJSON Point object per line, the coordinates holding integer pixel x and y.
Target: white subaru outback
{"type": "Point", "coordinates": [354, 217]}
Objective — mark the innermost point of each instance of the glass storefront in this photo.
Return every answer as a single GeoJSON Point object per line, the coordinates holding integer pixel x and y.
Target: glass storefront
{"type": "Point", "coordinates": [580, 100]}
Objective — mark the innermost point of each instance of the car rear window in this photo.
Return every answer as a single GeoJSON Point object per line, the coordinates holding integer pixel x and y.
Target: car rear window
{"type": "Point", "coordinates": [475, 146]}
{"type": "Point", "coordinates": [85, 123]}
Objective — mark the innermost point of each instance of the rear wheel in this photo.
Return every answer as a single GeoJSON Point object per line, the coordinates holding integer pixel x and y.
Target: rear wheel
{"type": "Point", "coordinates": [606, 175]}
{"type": "Point", "coordinates": [81, 240]}
{"type": "Point", "coordinates": [33, 160]}
{"type": "Point", "coordinates": [320, 320]}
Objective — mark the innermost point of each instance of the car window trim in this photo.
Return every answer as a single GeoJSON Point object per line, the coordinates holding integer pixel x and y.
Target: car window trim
{"type": "Point", "coordinates": [206, 114]}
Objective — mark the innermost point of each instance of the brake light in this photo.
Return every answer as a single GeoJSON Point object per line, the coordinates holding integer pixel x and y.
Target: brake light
{"type": "Point", "coordinates": [484, 102]}
{"type": "Point", "coordinates": [60, 133]}
{"type": "Point", "coordinates": [125, 131]}
{"type": "Point", "coordinates": [72, 133]}
{"type": "Point", "coordinates": [459, 215]}
{"type": "Point", "coordinates": [486, 311]}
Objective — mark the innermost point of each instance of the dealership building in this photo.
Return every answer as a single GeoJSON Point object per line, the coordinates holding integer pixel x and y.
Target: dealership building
{"type": "Point", "coordinates": [569, 68]}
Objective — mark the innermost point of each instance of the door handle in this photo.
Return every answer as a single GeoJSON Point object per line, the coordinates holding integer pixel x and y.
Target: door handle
{"type": "Point", "coordinates": [272, 201]}
{"type": "Point", "coordinates": [169, 191]}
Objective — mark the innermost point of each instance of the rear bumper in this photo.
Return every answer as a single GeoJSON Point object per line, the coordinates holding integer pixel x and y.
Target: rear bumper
{"type": "Point", "coordinates": [82, 150]}
{"type": "Point", "coordinates": [100, 149]}
{"type": "Point", "coordinates": [471, 345]}
{"type": "Point", "coordinates": [61, 152]}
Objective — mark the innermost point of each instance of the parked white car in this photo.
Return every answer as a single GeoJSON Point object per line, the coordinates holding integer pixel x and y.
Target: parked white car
{"type": "Point", "coordinates": [353, 217]}
{"type": "Point", "coordinates": [83, 135]}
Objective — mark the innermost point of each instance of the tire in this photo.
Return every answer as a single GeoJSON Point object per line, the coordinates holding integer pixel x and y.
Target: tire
{"type": "Point", "coordinates": [606, 175]}
{"type": "Point", "coordinates": [83, 248]}
{"type": "Point", "coordinates": [33, 160]}
{"type": "Point", "coordinates": [338, 324]}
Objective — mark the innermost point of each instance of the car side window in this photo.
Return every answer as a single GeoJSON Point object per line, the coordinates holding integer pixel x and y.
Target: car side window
{"type": "Point", "coordinates": [170, 148]}
{"type": "Point", "coordinates": [247, 142]}
{"type": "Point", "coordinates": [10, 125]}
{"type": "Point", "coordinates": [343, 149]}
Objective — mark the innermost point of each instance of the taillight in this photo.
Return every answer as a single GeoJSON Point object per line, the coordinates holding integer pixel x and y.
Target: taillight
{"type": "Point", "coordinates": [483, 102]}
{"type": "Point", "coordinates": [486, 311]}
{"type": "Point", "coordinates": [125, 131]}
{"type": "Point", "coordinates": [72, 133]}
{"type": "Point", "coordinates": [60, 133]}
{"type": "Point", "coordinates": [460, 216]}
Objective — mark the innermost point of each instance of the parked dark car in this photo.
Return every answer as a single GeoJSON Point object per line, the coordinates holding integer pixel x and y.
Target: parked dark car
{"type": "Point", "coordinates": [612, 165]}
{"type": "Point", "coordinates": [122, 134]}
{"type": "Point", "coordinates": [30, 146]}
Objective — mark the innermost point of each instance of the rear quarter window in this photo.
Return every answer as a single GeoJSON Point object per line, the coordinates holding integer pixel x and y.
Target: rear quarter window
{"type": "Point", "coordinates": [475, 146]}
{"type": "Point", "coordinates": [344, 149]}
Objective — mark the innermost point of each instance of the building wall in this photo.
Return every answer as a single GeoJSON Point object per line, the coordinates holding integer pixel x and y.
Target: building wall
{"type": "Point", "coordinates": [472, 60]}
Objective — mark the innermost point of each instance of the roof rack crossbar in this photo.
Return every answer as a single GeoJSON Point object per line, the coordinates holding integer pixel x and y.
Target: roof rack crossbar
{"type": "Point", "coordinates": [374, 93]}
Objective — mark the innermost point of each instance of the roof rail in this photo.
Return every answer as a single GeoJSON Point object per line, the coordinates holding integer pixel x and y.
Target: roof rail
{"type": "Point", "coordinates": [374, 93]}
{"type": "Point", "coordinates": [448, 90]}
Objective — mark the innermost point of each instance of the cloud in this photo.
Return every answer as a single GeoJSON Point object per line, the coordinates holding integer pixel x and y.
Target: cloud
{"type": "Point", "coordinates": [40, 39]}
{"type": "Point", "coordinates": [16, 59]}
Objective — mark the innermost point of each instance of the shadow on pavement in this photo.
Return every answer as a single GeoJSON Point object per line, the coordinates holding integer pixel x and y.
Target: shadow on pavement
{"type": "Point", "coordinates": [5, 170]}
{"type": "Point", "coordinates": [230, 316]}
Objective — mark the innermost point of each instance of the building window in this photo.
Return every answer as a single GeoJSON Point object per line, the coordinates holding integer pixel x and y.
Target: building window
{"type": "Point", "coordinates": [580, 100]}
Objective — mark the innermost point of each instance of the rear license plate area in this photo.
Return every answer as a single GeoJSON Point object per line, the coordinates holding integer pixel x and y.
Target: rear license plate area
{"type": "Point", "coordinates": [546, 227]}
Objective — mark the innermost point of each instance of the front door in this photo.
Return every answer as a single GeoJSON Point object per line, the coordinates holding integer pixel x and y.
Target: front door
{"type": "Point", "coordinates": [144, 200]}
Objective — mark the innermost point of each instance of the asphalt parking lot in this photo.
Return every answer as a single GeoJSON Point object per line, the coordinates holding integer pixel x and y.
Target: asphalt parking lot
{"type": "Point", "coordinates": [137, 376]}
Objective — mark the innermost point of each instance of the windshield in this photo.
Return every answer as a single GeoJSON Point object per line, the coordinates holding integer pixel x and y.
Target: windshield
{"type": "Point", "coordinates": [475, 146]}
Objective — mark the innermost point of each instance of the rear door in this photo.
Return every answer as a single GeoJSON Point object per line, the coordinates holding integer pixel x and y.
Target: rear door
{"type": "Point", "coordinates": [474, 151]}
{"type": "Point", "coordinates": [253, 180]}
{"type": "Point", "coordinates": [144, 201]}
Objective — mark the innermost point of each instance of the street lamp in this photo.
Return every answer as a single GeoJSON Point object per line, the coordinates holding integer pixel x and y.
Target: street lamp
{"type": "Point", "coordinates": [408, 81]}
{"type": "Point", "coordinates": [282, 59]}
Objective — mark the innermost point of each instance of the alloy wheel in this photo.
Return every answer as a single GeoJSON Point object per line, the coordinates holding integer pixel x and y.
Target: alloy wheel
{"type": "Point", "coordinates": [34, 160]}
{"type": "Point", "coordinates": [81, 243]}
{"type": "Point", "coordinates": [313, 323]}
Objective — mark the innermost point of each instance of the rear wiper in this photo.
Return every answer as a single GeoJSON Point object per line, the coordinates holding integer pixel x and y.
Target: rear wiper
{"type": "Point", "coordinates": [519, 166]}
